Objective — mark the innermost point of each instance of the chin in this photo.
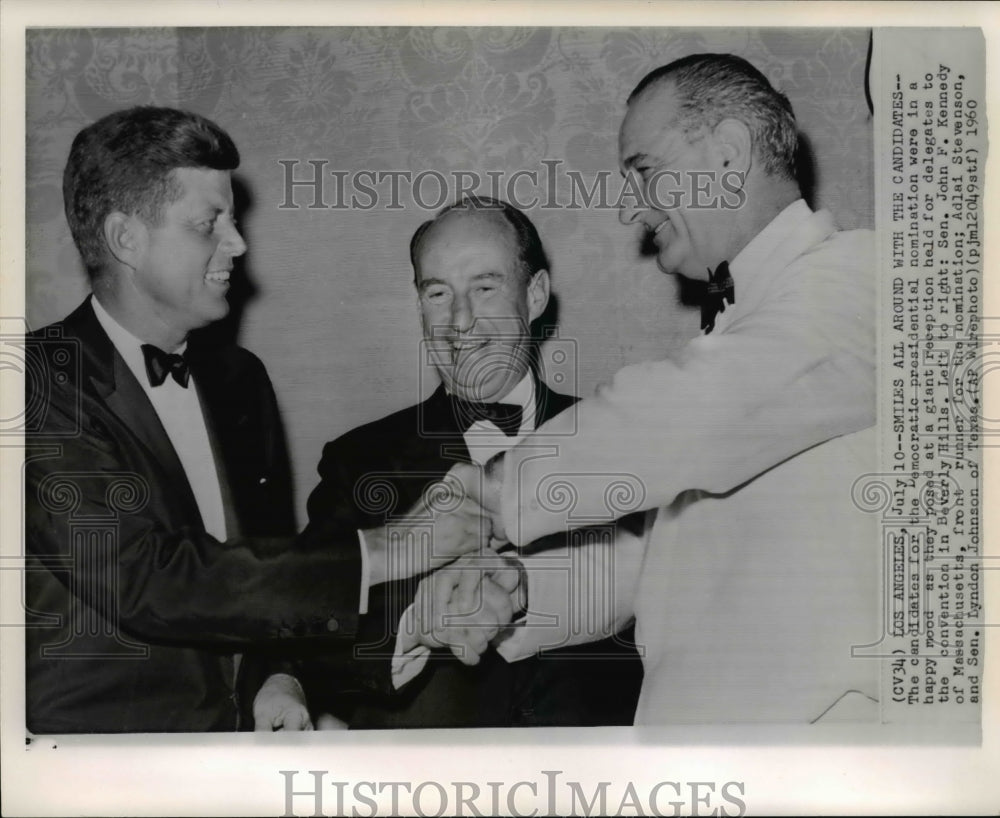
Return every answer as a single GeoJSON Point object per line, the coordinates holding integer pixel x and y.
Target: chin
{"type": "Point", "coordinates": [489, 392]}
{"type": "Point", "coordinates": [668, 261]}
{"type": "Point", "coordinates": [218, 310]}
{"type": "Point", "coordinates": [668, 267]}
{"type": "Point", "coordinates": [693, 273]}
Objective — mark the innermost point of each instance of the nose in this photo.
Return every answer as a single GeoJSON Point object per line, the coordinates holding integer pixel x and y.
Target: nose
{"type": "Point", "coordinates": [461, 313]}
{"type": "Point", "coordinates": [631, 204]}
{"type": "Point", "coordinates": [628, 213]}
{"type": "Point", "coordinates": [233, 242]}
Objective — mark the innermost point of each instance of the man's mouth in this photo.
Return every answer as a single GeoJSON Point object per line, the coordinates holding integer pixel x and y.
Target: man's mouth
{"type": "Point", "coordinates": [220, 278]}
{"type": "Point", "coordinates": [468, 345]}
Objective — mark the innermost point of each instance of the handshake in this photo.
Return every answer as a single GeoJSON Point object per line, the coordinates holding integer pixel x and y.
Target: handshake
{"type": "Point", "coordinates": [469, 595]}
{"type": "Point", "coordinates": [465, 606]}
{"type": "Point", "coordinates": [454, 532]}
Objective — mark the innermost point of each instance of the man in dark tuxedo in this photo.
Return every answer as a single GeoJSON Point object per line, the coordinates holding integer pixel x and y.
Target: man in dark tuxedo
{"type": "Point", "coordinates": [482, 278]}
{"type": "Point", "coordinates": [158, 514]}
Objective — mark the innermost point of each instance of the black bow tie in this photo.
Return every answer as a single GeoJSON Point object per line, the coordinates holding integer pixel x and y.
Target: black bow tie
{"type": "Point", "coordinates": [505, 416]}
{"type": "Point", "coordinates": [720, 291]}
{"type": "Point", "coordinates": [159, 364]}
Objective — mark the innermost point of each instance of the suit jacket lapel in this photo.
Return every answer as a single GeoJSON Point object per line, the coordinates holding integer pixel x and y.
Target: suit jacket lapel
{"type": "Point", "coordinates": [439, 436]}
{"type": "Point", "coordinates": [548, 404]}
{"type": "Point", "coordinates": [227, 420]}
{"type": "Point", "coordinates": [109, 378]}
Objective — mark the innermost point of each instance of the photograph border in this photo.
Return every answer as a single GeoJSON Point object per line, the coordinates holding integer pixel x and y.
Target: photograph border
{"type": "Point", "coordinates": [825, 769]}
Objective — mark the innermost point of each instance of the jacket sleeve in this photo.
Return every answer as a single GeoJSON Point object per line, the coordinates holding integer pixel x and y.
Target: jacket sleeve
{"type": "Point", "coordinates": [794, 373]}
{"type": "Point", "coordinates": [350, 498]}
{"type": "Point", "coordinates": [166, 585]}
{"type": "Point", "coordinates": [580, 591]}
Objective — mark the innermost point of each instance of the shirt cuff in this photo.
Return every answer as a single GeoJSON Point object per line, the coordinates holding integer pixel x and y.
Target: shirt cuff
{"type": "Point", "coordinates": [545, 623]}
{"type": "Point", "coordinates": [408, 659]}
{"type": "Point", "coordinates": [519, 596]}
{"type": "Point", "coordinates": [365, 575]}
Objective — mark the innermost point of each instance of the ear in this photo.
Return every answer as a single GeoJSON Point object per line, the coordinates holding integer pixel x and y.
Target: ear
{"type": "Point", "coordinates": [124, 237]}
{"type": "Point", "coordinates": [538, 294]}
{"type": "Point", "coordinates": [734, 144]}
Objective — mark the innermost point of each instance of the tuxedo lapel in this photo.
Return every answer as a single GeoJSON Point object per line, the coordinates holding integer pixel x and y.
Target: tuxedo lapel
{"type": "Point", "coordinates": [244, 429]}
{"type": "Point", "coordinates": [108, 378]}
{"type": "Point", "coordinates": [227, 422]}
{"type": "Point", "coordinates": [548, 404]}
{"type": "Point", "coordinates": [438, 437]}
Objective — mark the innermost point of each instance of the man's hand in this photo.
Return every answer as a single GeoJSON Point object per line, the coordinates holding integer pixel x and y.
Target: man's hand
{"type": "Point", "coordinates": [444, 524]}
{"type": "Point", "coordinates": [280, 704]}
{"type": "Point", "coordinates": [484, 486]}
{"type": "Point", "coordinates": [465, 605]}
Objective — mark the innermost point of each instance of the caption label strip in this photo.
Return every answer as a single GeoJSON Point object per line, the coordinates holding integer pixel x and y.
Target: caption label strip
{"type": "Point", "coordinates": [930, 159]}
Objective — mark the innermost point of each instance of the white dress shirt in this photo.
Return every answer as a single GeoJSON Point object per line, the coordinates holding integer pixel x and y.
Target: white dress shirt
{"type": "Point", "coordinates": [760, 573]}
{"type": "Point", "coordinates": [180, 412]}
{"type": "Point", "coordinates": [484, 439]}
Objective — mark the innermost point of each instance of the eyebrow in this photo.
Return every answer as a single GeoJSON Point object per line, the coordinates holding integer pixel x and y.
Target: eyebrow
{"type": "Point", "coordinates": [490, 275]}
{"type": "Point", "coordinates": [212, 211]}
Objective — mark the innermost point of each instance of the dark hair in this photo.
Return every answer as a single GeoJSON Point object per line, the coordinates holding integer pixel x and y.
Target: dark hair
{"type": "Point", "coordinates": [531, 254]}
{"type": "Point", "coordinates": [712, 87]}
{"type": "Point", "coordinates": [122, 163]}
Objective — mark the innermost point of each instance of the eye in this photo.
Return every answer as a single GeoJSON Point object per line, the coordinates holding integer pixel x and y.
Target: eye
{"type": "Point", "coordinates": [486, 289]}
{"type": "Point", "coordinates": [436, 295]}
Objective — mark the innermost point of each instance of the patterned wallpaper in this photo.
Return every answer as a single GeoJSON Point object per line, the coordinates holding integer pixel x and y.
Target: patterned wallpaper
{"type": "Point", "coordinates": [327, 300]}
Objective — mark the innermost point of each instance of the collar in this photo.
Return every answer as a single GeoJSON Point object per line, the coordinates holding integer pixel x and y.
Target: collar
{"type": "Point", "coordinates": [754, 269]}
{"type": "Point", "coordinates": [523, 395]}
{"type": "Point", "coordinates": [128, 346]}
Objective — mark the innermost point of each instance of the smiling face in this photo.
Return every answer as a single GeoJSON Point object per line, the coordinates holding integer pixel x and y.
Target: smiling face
{"type": "Point", "coordinates": [661, 159]}
{"type": "Point", "coordinates": [182, 263]}
{"type": "Point", "coordinates": [477, 304]}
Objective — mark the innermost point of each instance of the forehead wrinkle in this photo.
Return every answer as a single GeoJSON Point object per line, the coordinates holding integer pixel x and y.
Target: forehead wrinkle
{"type": "Point", "coordinates": [486, 216]}
{"type": "Point", "coordinates": [201, 190]}
{"type": "Point", "coordinates": [658, 109]}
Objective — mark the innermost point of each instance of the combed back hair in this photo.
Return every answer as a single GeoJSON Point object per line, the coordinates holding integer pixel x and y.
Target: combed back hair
{"type": "Point", "coordinates": [713, 87]}
{"type": "Point", "coordinates": [123, 162]}
{"type": "Point", "coordinates": [531, 253]}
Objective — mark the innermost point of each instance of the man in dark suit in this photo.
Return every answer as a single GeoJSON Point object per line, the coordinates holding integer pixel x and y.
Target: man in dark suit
{"type": "Point", "coordinates": [158, 514]}
{"type": "Point", "coordinates": [482, 279]}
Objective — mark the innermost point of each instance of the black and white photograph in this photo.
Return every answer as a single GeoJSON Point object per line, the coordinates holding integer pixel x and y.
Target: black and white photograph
{"type": "Point", "coordinates": [385, 385]}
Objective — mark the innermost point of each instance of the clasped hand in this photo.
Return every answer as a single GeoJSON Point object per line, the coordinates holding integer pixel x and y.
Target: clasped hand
{"type": "Point", "coordinates": [447, 522]}
{"type": "Point", "coordinates": [472, 592]}
{"type": "Point", "coordinates": [466, 605]}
